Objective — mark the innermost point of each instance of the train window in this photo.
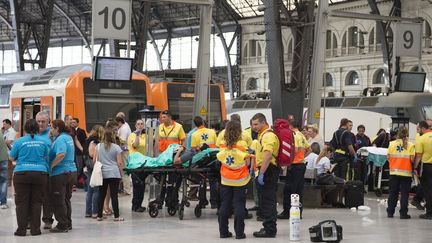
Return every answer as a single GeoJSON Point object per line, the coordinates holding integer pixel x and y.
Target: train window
{"type": "Point", "coordinates": [58, 108]}
{"type": "Point", "coordinates": [349, 102]}
{"type": "Point", "coordinates": [103, 102]}
{"type": "Point", "coordinates": [182, 107]}
{"type": "Point", "coordinates": [5, 95]}
{"type": "Point", "coordinates": [427, 111]}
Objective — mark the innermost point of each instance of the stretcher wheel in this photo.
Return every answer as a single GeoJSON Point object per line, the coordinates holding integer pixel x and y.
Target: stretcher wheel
{"type": "Point", "coordinates": [197, 211]}
{"type": "Point", "coordinates": [187, 204]}
{"type": "Point", "coordinates": [181, 213]}
{"type": "Point", "coordinates": [172, 211]}
{"type": "Point", "coordinates": [378, 192]}
{"type": "Point", "coordinates": [153, 211]}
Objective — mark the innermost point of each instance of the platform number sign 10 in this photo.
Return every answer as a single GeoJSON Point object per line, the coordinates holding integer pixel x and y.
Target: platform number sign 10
{"type": "Point", "coordinates": [408, 39]}
{"type": "Point", "coordinates": [115, 11]}
{"type": "Point", "coordinates": [111, 19]}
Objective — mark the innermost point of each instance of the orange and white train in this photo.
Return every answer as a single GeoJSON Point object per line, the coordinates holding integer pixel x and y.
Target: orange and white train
{"type": "Point", "coordinates": [70, 90]}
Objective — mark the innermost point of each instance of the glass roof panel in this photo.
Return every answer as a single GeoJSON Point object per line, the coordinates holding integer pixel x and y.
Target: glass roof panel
{"type": "Point", "coordinates": [249, 8]}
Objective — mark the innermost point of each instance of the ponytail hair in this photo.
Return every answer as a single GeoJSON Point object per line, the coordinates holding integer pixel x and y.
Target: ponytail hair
{"type": "Point", "coordinates": [324, 152]}
{"type": "Point", "coordinates": [403, 134]}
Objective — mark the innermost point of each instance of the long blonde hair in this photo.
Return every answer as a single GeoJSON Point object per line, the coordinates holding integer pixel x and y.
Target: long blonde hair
{"type": "Point", "coordinates": [323, 153]}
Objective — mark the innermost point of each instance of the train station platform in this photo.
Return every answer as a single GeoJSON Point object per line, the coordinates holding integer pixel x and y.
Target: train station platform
{"type": "Point", "coordinates": [362, 227]}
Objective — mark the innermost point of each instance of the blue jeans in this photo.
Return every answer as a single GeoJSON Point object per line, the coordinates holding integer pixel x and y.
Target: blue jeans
{"type": "Point", "coordinates": [3, 181]}
{"type": "Point", "coordinates": [92, 198]}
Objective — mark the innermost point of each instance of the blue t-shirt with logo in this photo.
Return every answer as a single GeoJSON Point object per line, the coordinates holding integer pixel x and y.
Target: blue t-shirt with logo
{"type": "Point", "coordinates": [45, 136]}
{"type": "Point", "coordinates": [63, 144]}
{"type": "Point", "coordinates": [31, 154]}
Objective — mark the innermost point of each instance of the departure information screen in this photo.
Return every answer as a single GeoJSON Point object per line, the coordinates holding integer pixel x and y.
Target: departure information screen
{"type": "Point", "coordinates": [410, 82]}
{"type": "Point", "coordinates": [113, 69]}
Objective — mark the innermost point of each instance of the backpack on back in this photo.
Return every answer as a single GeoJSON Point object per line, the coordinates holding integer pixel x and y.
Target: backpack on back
{"type": "Point", "coordinates": [286, 142]}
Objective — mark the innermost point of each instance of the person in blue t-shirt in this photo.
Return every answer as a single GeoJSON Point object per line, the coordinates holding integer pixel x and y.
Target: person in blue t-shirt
{"type": "Point", "coordinates": [62, 176]}
{"type": "Point", "coordinates": [43, 119]}
{"type": "Point", "coordinates": [30, 154]}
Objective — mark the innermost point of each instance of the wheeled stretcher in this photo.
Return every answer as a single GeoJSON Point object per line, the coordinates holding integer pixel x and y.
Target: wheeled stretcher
{"type": "Point", "coordinates": [173, 179]}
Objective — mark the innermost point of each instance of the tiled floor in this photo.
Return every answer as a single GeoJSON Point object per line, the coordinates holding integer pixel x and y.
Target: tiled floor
{"type": "Point", "coordinates": [368, 226]}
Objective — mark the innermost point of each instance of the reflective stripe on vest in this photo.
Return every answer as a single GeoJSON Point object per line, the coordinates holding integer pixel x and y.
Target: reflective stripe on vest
{"type": "Point", "coordinates": [400, 164]}
{"type": "Point", "coordinates": [234, 177]}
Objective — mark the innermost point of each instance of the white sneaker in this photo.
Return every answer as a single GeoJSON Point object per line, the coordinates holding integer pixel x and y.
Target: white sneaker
{"type": "Point", "coordinates": [4, 206]}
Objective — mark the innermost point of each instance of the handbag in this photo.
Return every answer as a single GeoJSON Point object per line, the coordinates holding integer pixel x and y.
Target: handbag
{"type": "Point", "coordinates": [96, 178]}
{"type": "Point", "coordinates": [325, 179]}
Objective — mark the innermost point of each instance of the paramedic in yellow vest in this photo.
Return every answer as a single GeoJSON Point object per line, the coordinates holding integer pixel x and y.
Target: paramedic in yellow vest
{"type": "Point", "coordinates": [245, 136]}
{"type": "Point", "coordinates": [137, 144]}
{"type": "Point", "coordinates": [235, 162]}
{"type": "Point", "coordinates": [202, 135]}
{"type": "Point", "coordinates": [266, 153]}
{"type": "Point", "coordinates": [423, 149]}
{"type": "Point", "coordinates": [294, 183]}
{"type": "Point", "coordinates": [170, 132]}
{"type": "Point", "coordinates": [400, 155]}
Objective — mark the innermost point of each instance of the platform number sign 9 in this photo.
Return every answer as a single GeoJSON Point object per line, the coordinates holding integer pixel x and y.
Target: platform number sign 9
{"type": "Point", "coordinates": [111, 19]}
{"type": "Point", "coordinates": [408, 39]}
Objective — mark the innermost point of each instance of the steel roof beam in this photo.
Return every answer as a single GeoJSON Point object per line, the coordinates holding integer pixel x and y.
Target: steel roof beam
{"type": "Point", "coordinates": [75, 25]}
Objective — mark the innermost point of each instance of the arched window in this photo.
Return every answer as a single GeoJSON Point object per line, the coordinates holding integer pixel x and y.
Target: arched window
{"type": "Point", "coordinates": [427, 35]}
{"type": "Point", "coordinates": [352, 78]}
{"type": "Point", "coordinates": [379, 77]}
{"type": "Point", "coordinates": [375, 39]}
{"type": "Point", "coordinates": [254, 51]}
{"type": "Point", "coordinates": [352, 41]}
{"type": "Point", "coordinates": [372, 40]}
{"type": "Point", "coordinates": [328, 80]}
{"type": "Point", "coordinates": [252, 84]}
{"type": "Point", "coordinates": [331, 44]}
{"type": "Point", "coordinates": [245, 54]}
{"type": "Point", "coordinates": [415, 69]}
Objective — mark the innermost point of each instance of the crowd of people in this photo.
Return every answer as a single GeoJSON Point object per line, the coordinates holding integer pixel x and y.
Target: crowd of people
{"type": "Point", "coordinates": [53, 157]}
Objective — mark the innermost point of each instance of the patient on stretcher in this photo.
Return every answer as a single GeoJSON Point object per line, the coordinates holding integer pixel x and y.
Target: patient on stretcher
{"type": "Point", "coordinates": [166, 159]}
{"type": "Point", "coordinates": [184, 155]}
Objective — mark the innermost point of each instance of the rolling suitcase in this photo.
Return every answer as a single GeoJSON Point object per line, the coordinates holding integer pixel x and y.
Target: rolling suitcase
{"type": "Point", "coordinates": [354, 194]}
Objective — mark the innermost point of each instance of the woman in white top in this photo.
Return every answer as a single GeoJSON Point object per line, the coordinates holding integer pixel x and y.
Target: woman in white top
{"type": "Point", "coordinates": [312, 157]}
{"type": "Point", "coordinates": [325, 168]}
{"type": "Point", "coordinates": [322, 163]}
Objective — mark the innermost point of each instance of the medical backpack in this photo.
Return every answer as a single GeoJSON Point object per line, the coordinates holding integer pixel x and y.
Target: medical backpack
{"type": "Point", "coordinates": [286, 142]}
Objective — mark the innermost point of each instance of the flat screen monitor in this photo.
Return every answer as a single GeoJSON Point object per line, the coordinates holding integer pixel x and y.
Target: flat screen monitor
{"type": "Point", "coordinates": [410, 82]}
{"type": "Point", "coordinates": [113, 69]}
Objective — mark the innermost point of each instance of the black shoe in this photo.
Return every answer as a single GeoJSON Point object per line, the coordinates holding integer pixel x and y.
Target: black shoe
{"type": "Point", "coordinates": [213, 206]}
{"type": "Point", "coordinates": [263, 234]}
{"type": "Point", "coordinates": [405, 216]}
{"type": "Point", "coordinates": [389, 215]}
{"type": "Point", "coordinates": [426, 216]}
{"type": "Point", "coordinates": [249, 216]}
{"type": "Point", "coordinates": [239, 237]}
{"type": "Point", "coordinates": [139, 210]}
{"type": "Point", "coordinates": [259, 218]}
{"type": "Point", "coordinates": [283, 215]}
{"type": "Point", "coordinates": [417, 204]}
{"type": "Point", "coordinates": [229, 235]}
{"type": "Point", "coordinates": [254, 208]}
{"type": "Point", "coordinates": [36, 233]}
{"type": "Point", "coordinates": [19, 233]}
{"type": "Point", "coordinates": [58, 230]}
{"type": "Point", "coordinates": [47, 226]}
